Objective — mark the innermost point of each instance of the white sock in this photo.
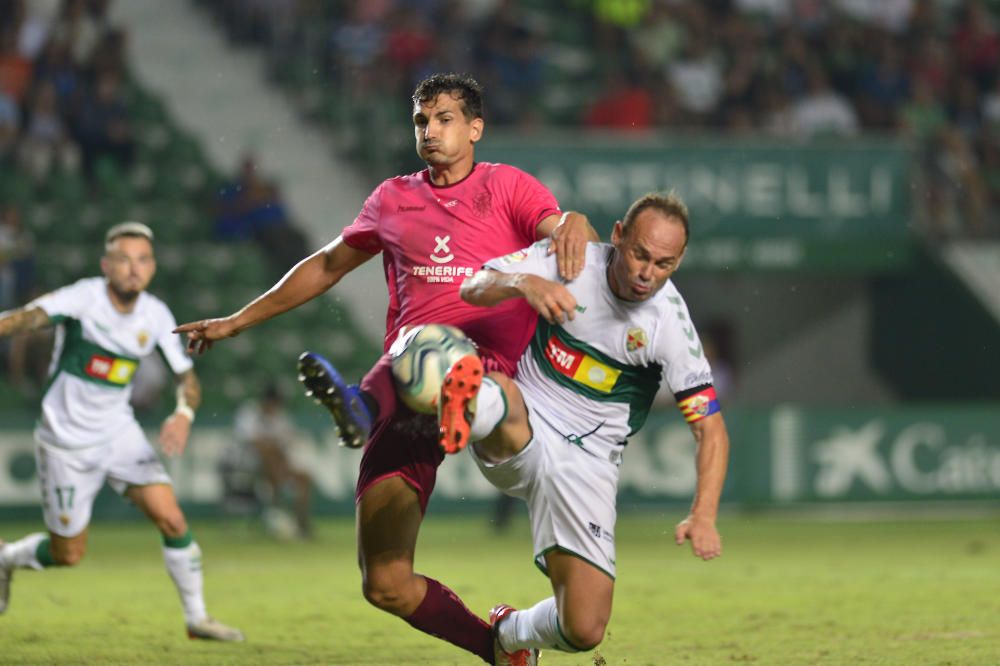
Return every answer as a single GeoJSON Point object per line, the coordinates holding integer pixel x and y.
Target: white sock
{"type": "Point", "coordinates": [22, 554]}
{"type": "Point", "coordinates": [536, 627]}
{"type": "Point", "coordinates": [491, 409]}
{"type": "Point", "coordinates": [184, 567]}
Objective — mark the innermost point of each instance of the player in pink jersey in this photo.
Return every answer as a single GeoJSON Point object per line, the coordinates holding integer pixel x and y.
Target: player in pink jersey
{"type": "Point", "coordinates": [433, 228]}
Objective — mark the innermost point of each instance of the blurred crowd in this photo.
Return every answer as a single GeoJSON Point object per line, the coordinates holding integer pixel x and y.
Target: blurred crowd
{"type": "Point", "coordinates": [62, 109]}
{"type": "Point", "coordinates": [63, 98]}
{"type": "Point", "coordinates": [925, 70]}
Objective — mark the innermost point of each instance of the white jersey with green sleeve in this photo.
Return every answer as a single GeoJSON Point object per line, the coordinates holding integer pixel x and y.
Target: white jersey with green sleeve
{"type": "Point", "coordinates": [594, 378]}
{"type": "Point", "coordinates": [97, 350]}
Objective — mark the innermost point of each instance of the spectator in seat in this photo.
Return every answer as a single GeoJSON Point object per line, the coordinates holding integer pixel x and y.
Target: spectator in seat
{"type": "Point", "coordinates": [105, 128]}
{"type": "Point", "coordinates": [252, 208]}
{"type": "Point", "coordinates": [47, 141]}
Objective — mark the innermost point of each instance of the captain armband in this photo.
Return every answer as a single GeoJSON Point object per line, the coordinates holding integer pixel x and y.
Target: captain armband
{"type": "Point", "coordinates": [698, 403]}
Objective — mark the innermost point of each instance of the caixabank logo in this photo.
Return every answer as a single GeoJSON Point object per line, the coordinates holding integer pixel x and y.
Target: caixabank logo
{"type": "Point", "coordinates": [892, 457]}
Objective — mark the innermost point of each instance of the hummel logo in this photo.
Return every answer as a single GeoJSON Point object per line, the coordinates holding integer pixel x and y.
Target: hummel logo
{"type": "Point", "coordinates": [409, 209]}
{"type": "Point", "coordinates": [451, 204]}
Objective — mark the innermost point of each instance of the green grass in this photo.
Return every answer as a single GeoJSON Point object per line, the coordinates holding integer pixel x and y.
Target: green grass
{"type": "Point", "coordinates": [786, 592]}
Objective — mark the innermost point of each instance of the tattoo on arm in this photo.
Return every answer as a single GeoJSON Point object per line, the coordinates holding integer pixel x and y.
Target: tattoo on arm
{"type": "Point", "coordinates": [189, 389]}
{"type": "Point", "coordinates": [23, 319]}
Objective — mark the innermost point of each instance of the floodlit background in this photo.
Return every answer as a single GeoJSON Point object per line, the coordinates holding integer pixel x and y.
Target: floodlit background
{"type": "Point", "coordinates": [841, 160]}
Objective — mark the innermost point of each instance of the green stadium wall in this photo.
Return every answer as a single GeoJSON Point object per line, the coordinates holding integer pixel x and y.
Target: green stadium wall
{"type": "Point", "coordinates": [783, 456]}
{"type": "Point", "coordinates": [830, 206]}
{"type": "Point", "coordinates": [931, 338]}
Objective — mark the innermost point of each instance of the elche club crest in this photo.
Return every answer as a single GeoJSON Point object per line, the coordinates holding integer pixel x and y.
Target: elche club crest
{"type": "Point", "coordinates": [482, 204]}
{"type": "Point", "coordinates": [635, 339]}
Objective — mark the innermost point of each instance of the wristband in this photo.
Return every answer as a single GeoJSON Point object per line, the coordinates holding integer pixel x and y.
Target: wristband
{"type": "Point", "coordinates": [186, 411]}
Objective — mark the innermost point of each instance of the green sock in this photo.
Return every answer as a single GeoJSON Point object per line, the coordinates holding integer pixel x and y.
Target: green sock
{"type": "Point", "coordinates": [43, 553]}
{"type": "Point", "coordinates": [178, 542]}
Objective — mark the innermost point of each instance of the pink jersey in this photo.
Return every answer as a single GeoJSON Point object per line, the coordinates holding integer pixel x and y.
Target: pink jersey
{"type": "Point", "coordinates": [432, 238]}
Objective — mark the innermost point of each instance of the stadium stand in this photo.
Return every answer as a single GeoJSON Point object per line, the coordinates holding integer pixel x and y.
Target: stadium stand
{"type": "Point", "coordinates": [137, 164]}
{"type": "Point", "coordinates": [924, 69]}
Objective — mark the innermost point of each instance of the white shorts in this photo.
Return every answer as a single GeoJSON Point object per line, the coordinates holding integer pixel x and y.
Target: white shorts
{"type": "Point", "coordinates": [71, 478]}
{"type": "Point", "coordinates": [570, 495]}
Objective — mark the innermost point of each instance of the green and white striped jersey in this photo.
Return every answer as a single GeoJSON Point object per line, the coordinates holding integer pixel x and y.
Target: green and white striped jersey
{"type": "Point", "coordinates": [594, 378]}
{"type": "Point", "coordinates": [96, 352]}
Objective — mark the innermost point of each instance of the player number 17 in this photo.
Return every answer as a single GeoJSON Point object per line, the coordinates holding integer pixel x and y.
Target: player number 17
{"type": "Point", "coordinates": [64, 496]}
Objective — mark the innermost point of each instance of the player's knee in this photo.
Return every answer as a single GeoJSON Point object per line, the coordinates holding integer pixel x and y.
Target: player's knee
{"type": "Point", "coordinates": [386, 589]}
{"type": "Point", "coordinates": [172, 524]}
{"type": "Point", "coordinates": [584, 633]}
{"type": "Point", "coordinates": [382, 596]}
{"type": "Point", "coordinates": [68, 555]}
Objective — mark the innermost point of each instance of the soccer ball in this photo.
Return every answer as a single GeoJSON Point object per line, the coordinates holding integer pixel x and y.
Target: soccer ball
{"type": "Point", "coordinates": [420, 359]}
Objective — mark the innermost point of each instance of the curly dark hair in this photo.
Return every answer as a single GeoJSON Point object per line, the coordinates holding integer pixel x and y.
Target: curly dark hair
{"type": "Point", "coordinates": [460, 86]}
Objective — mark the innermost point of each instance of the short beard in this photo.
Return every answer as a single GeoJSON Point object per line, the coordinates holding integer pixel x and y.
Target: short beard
{"type": "Point", "coordinates": [126, 297]}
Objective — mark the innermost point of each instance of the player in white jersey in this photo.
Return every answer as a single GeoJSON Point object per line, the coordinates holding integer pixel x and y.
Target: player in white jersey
{"type": "Point", "coordinates": [555, 436]}
{"type": "Point", "coordinates": [87, 434]}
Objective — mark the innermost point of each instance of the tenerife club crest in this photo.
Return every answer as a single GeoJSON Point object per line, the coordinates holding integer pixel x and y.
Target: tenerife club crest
{"type": "Point", "coordinates": [635, 339]}
{"type": "Point", "coordinates": [482, 204]}
{"type": "Point", "coordinates": [143, 338]}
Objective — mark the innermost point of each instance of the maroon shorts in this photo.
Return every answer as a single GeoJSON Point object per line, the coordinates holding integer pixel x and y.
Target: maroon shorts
{"type": "Point", "coordinates": [402, 443]}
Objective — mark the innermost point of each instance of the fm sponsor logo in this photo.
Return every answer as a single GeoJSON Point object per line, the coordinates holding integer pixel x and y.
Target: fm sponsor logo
{"type": "Point", "coordinates": [114, 370]}
{"type": "Point", "coordinates": [560, 356]}
{"type": "Point", "coordinates": [581, 367]}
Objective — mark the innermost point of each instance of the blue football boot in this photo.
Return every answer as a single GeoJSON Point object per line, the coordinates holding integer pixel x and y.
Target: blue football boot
{"type": "Point", "coordinates": [325, 385]}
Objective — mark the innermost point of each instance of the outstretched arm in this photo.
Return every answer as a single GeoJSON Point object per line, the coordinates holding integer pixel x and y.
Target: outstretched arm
{"type": "Point", "coordinates": [549, 299]}
{"type": "Point", "coordinates": [570, 234]}
{"type": "Point", "coordinates": [308, 279]}
{"type": "Point", "coordinates": [23, 319]}
{"type": "Point", "coordinates": [175, 430]}
{"type": "Point", "coordinates": [712, 459]}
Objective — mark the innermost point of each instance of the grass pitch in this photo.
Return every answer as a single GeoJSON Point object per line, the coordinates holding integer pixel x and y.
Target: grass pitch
{"type": "Point", "coordinates": [785, 592]}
